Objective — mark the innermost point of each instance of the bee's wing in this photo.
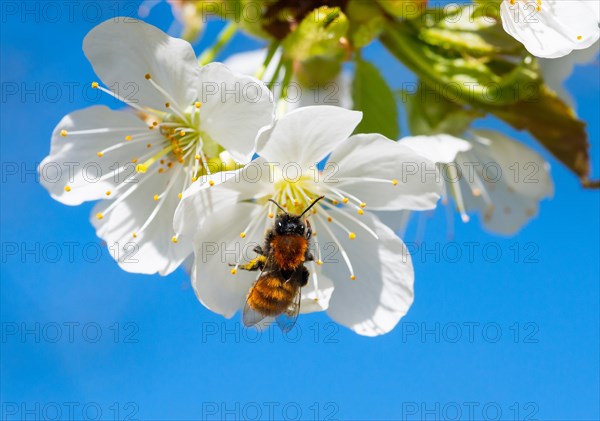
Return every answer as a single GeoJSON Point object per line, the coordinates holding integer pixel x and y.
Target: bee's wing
{"type": "Point", "coordinates": [251, 317]}
{"type": "Point", "coordinates": [287, 319]}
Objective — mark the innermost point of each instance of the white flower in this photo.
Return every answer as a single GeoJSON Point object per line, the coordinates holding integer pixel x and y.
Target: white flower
{"type": "Point", "coordinates": [552, 28]}
{"type": "Point", "coordinates": [362, 273]}
{"type": "Point", "coordinates": [489, 173]}
{"type": "Point", "coordinates": [188, 120]}
{"type": "Point", "coordinates": [337, 92]}
{"type": "Point", "coordinates": [557, 71]}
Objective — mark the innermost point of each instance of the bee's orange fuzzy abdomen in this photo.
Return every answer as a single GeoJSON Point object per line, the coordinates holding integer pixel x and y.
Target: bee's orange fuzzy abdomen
{"type": "Point", "coordinates": [271, 296]}
{"type": "Point", "coordinates": [289, 251]}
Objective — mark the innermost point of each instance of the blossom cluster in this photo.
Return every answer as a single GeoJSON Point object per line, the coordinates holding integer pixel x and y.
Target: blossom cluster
{"type": "Point", "coordinates": [193, 171]}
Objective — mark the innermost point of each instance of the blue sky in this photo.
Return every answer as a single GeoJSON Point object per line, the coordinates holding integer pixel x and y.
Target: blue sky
{"type": "Point", "coordinates": [82, 339]}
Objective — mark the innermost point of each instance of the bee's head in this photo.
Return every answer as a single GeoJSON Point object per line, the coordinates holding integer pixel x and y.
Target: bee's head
{"type": "Point", "coordinates": [289, 225]}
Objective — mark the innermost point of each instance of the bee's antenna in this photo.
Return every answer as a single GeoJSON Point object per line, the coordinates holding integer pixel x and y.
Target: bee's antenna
{"type": "Point", "coordinates": [311, 205]}
{"type": "Point", "coordinates": [279, 206]}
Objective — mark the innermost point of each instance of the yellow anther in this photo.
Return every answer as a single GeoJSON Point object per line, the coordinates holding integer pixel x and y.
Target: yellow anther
{"type": "Point", "coordinates": [579, 37]}
{"type": "Point", "coordinates": [169, 164]}
{"type": "Point", "coordinates": [197, 157]}
{"type": "Point", "coordinates": [182, 133]}
{"type": "Point", "coordinates": [108, 192]}
{"type": "Point", "coordinates": [95, 85]}
{"type": "Point", "coordinates": [127, 138]}
{"type": "Point", "coordinates": [180, 196]}
{"type": "Point", "coordinates": [353, 278]}
{"type": "Point", "coordinates": [168, 104]}
{"type": "Point", "coordinates": [149, 145]}
{"type": "Point", "coordinates": [242, 235]}
{"type": "Point", "coordinates": [155, 123]}
{"type": "Point", "coordinates": [194, 179]}
{"type": "Point", "coordinates": [174, 240]}
{"type": "Point", "coordinates": [141, 168]}
{"type": "Point", "coordinates": [151, 127]}
{"type": "Point", "coordinates": [148, 76]}
{"type": "Point", "coordinates": [197, 104]}
{"type": "Point", "coordinates": [63, 133]}
{"type": "Point", "coordinates": [319, 262]}
{"type": "Point", "coordinates": [211, 183]}
{"type": "Point", "coordinates": [134, 235]}
{"type": "Point", "coordinates": [271, 215]}
{"type": "Point", "coordinates": [67, 188]}
{"type": "Point", "coordinates": [345, 200]}
{"type": "Point", "coordinates": [161, 170]}
{"type": "Point", "coordinates": [360, 212]}
{"type": "Point", "coordinates": [351, 236]}
{"type": "Point", "coordinates": [155, 197]}
{"type": "Point", "coordinates": [395, 182]}
{"type": "Point", "coordinates": [335, 202]}
{"type": "Point", "coordinates": [329, 219]}
{"type": "Point", "coordinates": [233, 271]}
{"type": "Point", "coordinates": [134, 160]}
{"type": "Point", "coordinates": [100, 154]}
{"type": "Point", "coordinates": [99, 215]}
{"type": "Point", "coordinates": [363, 204]}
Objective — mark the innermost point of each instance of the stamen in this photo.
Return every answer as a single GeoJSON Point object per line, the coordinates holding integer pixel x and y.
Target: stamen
{"type": "Point", "coordinates": [251, 230]}
{"type": "Point", "coordinates": [120, 98]}
{"type": "Point", "coordinates": [455, 186]}
{"type": "Point", "coordinates": [173, 105]}
{"type": "Point", "coordinates": [342, 250]}
{"type": "Point", "coordinates": [67, 188]}
{"type": "Point", "coordinates": [142, 168]}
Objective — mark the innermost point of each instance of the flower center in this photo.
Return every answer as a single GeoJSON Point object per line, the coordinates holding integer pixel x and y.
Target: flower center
{"type": "Point", "coordinates": [296, 194]}
{"type": "Point", "coordinates": [175, 145]}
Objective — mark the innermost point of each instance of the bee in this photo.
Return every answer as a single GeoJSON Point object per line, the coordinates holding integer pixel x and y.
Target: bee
{"type": "Point", "coordinates": [276, 293]}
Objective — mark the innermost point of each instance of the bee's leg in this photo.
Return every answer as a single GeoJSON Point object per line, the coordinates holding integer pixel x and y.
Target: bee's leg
{"type": "Point", "coordinates": [259, 250]}
{"type": "Point", "coordinates": [257, 263]}
{"type": "Point", "coordinates": [303, 276]}
{"type": "Point", "coordinates": [308, 256]}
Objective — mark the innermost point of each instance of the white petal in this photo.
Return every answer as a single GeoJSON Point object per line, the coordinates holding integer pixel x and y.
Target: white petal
{"type": "Point", "coordinates": [441, 148]}
{"type": "Point", "coordinates": [74, 161]}
{"type": "Point", "coordinates": [560, 26]}
{"type": "Point", "coordinates": [515, 181]}
{"type": "Point", "coordinates": [216, 246]}
{"type": "Point", "coordinates": [533, 178]}
{"type": "Point", "coordinates": [396, 220]}
{"type": "Point", "coordinates": [249, 62]}
{"type": "Point", "coordinates": [366, 164]}
{"type": "Point", "coordinates": [153, 250]}
{"type": "Point", "coordinates": [382, 292]}
{"type": "Point", "coordinates": [337, 93]}
{"type": "Point", "coordinates": [201, 200]}
{"type": "Point", "coordinates": [307, 135]}
{"type": "Point", "coordinates": [317, 293]}
{"type": "Point", "coordinates": [557, 71]}
{"type": "Point", "coordinates": [234, 108]}
{"type": "Point", "coordinates": [123, 50]}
